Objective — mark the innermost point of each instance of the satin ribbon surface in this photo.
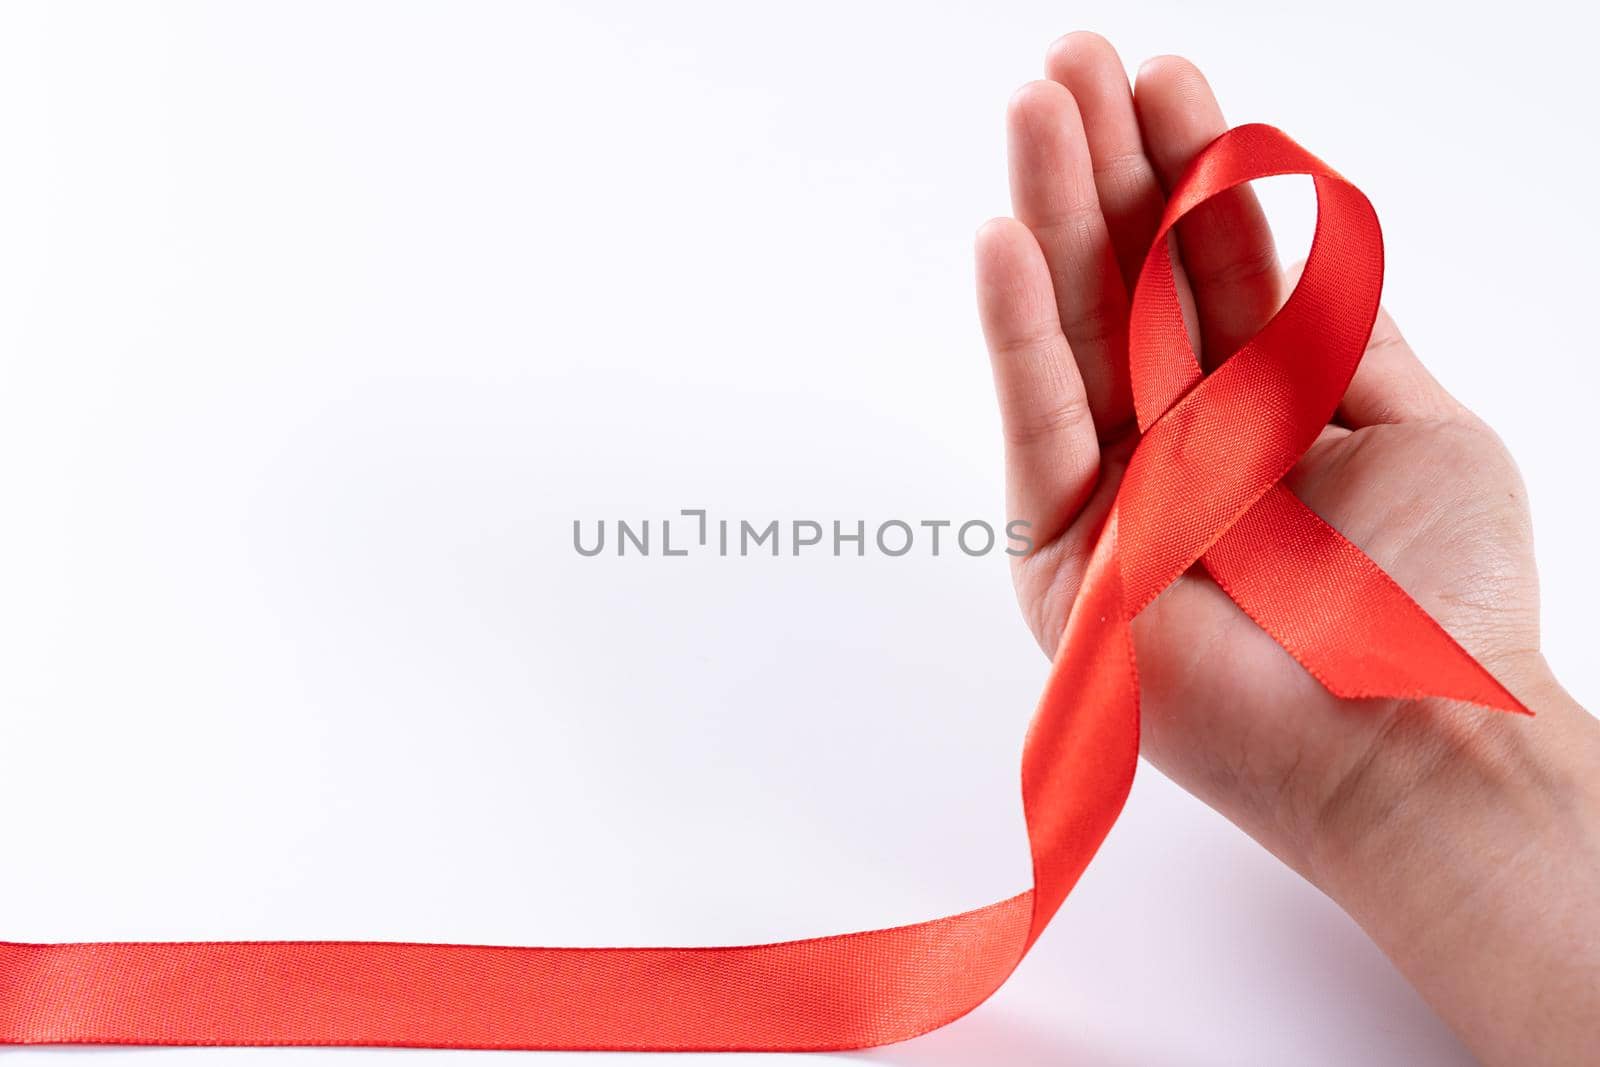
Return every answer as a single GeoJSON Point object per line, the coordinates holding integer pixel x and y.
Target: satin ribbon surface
{"type": "Point", "coordinates": [1203, 487]}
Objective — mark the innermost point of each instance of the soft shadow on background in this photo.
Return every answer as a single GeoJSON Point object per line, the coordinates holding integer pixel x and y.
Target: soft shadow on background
{"type": "Point", "coordinates": [1145, 964]}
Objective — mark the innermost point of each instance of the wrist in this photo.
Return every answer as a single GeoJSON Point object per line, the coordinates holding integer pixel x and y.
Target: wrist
{"type": "Point", "coordinates": [1467, 844]}
{"type": "Point", "coordinates": [1426, 760]}
{"type": "Point", "coordinates": [1441, 775]}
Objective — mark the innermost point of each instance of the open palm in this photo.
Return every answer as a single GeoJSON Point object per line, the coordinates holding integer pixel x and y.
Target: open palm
{"type": "Point", "coordinates": [1405, 471]}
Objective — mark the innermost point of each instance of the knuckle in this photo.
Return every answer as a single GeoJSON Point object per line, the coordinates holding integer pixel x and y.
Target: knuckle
{"type": "Point", "coordinates": [1067, 414]}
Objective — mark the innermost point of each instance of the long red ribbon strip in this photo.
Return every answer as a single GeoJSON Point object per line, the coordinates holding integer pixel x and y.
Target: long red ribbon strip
{"type": "Point", "coordinates": [1203, 487]}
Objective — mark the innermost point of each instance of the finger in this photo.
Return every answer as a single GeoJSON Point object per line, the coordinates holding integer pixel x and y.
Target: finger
{"type": "Point", "coordinates": [1131, 197]}
{"type": "Point", "coordinates": [1053, 194]}
{"type": "Point", "coordinates": [1390, 384]}
{"type": "Point", "coordinates": [1226, 245]}
{"type": "Point", "coordinates": [1052, 454]}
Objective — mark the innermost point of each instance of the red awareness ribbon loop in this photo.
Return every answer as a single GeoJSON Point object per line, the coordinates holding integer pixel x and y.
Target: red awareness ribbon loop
{"type": "Point", "coordinates": [1203, 487]}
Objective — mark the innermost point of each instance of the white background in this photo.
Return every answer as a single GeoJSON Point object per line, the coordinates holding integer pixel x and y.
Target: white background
{"type": "Point", "coordinates": [320, 323]}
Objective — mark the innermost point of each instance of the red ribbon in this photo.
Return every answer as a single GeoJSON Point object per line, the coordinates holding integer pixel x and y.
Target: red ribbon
{"type": "Point", "coordinates": [1203, 487]}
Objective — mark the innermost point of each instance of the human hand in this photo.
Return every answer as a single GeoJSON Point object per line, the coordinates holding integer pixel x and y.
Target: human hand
{"type": "Point", "coordinates": [1392, 807]}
